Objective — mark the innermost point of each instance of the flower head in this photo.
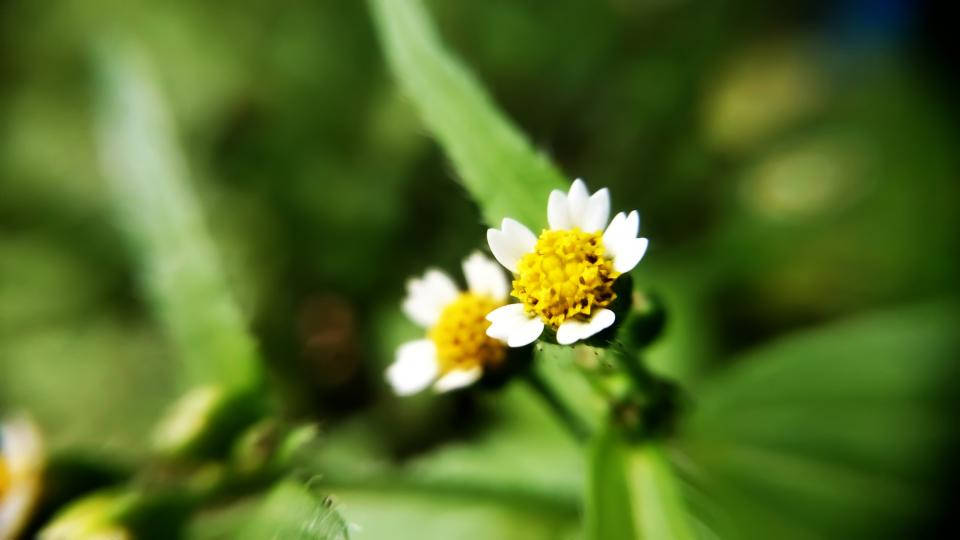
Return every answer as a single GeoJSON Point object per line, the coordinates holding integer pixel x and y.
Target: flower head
{"type": "Point", "coordinates": [21, 463]}
{"type": "Point", "coordinates": [564, 279]}
{"type": "Point", "coordinates": [456, 349]}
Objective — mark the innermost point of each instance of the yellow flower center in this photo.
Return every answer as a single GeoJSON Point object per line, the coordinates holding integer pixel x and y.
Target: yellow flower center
{"type": "Point", "coordinates": [4, 477]}
{"type": "Point", "coordinates": [461, 334]}
{"type": "Point", "coordinates": [565, 276]}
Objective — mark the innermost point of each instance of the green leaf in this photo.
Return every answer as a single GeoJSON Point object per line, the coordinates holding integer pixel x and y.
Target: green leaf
{"type": "Point", "coordinates": [495, 162]}
{"type": "Point", "coordinates": [632, 493]}
{"type": "Point", "coordinates": [384, 514]}
{"type": "Point", "coordinates": [293, 511]}
{"type": "Point", "coordinates": [518, 478]}
{"type": "Point", "coordinates": [608, 513]}
{"type": "Point", "coordinates": [835, 432]}
{"type": "Point", "coordinates": [658, 510]}
{"type": "Point", "coordinates": [73, 379]}
{"type": "Point", "coordinates": [155, 205]}
{"type": "Point", "coordinates": [527, 456]}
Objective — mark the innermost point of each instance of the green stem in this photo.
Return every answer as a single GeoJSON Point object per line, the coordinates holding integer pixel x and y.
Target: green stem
{"type": "Point", "coordinates": [593, 379]}
{"type": "Point", "coordinates": [643, 380]}
{"type": "Point", "coordinates": [652, 408]}
{"type": "Point", "coordinates": [574, 424]}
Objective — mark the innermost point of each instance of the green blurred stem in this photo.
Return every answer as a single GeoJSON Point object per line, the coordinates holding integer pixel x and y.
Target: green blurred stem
{"type": "Point", "coordinates": [574, 424]}
{"type": "Point", "coordinates": [595, 381]}
{"type": "Point", "coordinates": [632, 364]}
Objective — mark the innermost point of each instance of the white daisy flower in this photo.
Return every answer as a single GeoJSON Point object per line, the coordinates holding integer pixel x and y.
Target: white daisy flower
{"type": "Point", "coordinates": [456, 349]}
{"type": "Point", "coordinates": [21, 464]}
{"type": "Point", "coordinates": [564, 279]}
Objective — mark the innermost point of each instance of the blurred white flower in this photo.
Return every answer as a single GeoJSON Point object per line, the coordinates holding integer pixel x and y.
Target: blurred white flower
{"type": "Point", "coordinates": [564, 279]}
{"type": "Point", "coordinates": [21, 467]}
{"type": "Point", "coordinates": [456, 349]}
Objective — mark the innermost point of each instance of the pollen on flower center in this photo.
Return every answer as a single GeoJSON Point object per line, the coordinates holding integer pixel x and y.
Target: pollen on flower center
{"type": "Point", "coordinates": [4, 477]}
{"type": "Point", "coordinates": [565, 276]}
{"type": "Point", "coordinates": [460, 334]}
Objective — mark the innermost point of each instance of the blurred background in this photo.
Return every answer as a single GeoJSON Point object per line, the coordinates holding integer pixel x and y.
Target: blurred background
{"type": "Point", "coordinates": [795, 164]}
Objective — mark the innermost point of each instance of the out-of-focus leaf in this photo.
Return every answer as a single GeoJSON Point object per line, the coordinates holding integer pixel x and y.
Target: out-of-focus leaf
{"type": "Point", "coordinates": [72, 379]}
{"type": "Point", "coordinates": [41, 283]}
{"type": "Point", "coordinates": [96, 516]}
{"type": "Point", "coordinates": [292, 511]}
{"type": "Point", "coordinates": [398, 514]}
{"type": "Point", "coordinates": [525, 454]}
{"type": "Point", "coordinates": [495, 162]}
{"type": "Point", "coordinates": [151, 193]}
{"type": "Point", "coordinates": [607, 509]}
{"type": "Point", "coordinates": [221, 522]}
{"type": "Point", "coordinates": [658, 510]}
{"type": "Point", "coordinates": [556, 365]}
{"type": "Point", "coordinates": [632, 493]}
{"type": "Point", "coordinates": [518, 478]}
{"type": "Point", "coordinates": [841, 431]}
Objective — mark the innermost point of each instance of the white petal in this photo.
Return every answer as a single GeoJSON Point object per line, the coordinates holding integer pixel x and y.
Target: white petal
{"type": "Point", "coordinates": [577, 199]}
{"type": "Point", "coordinates": [511, 242]}
{"type": "Point", "coordinates": [615, 231]}
{"type": "Point", "coordinates": [633, 224]}
{"type": "Point", "coordinates": [485, 277]}
{"type": "Point", "coordinates": [458, 378]}
{"type": "Point", "coordinates": [17, 505]}
{"type": "Point", "coordinates": [526, 333]}
{"type": "Point", "coordinates": [507, 311]}
{"type": "Point", "coordinates": [621, 229]}
{"type": "Point", "coordinates": [512, 324]}
{"type": "Point", "coordinates": [427, 296]}
{"type": "Point", "coordinates": [558, 211]}
{"type": "Point", "coordinates": [524, 238]}
{"type": "Point", "coordinates": [628, 255]}
{"type": "Point", "coordinates": [23, 451]}
{"type": "Point", "coordinates": [572, 331]}
{"type": "Point", "coordinates": [504, 319]}
{"type": "Point", "coordinates": [620, 236]}
{"type": "Point", "coordinates": [594, 218]}
{"type": "Point", "coordinates": [415, 367]}
{"type": "Point", "coordinates": [22, 445]}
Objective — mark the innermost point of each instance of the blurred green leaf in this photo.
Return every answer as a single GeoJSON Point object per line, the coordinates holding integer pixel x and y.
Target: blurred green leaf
{"type": "Point", "coordinates": [841, 431]}
{"type": "Point", "coordinates": [658, 510]}
{"type": "Point", "coordinates": [81, 385]}
{"type": "Point", "coordinates": [495, 162]}
{"type": "Point", "coordinates": [385, 514]}
{"type": "Point", "coordinates": [608, 513]}
{"type": "Point", "coordinates": [557, 366]}
{"type": "Point", "coordinates": [292, 511]}
{"type": "Point", "coordinates": [632, 493]}
{"type": "Point", "coordinates": [525, 455]}
{"type": "Point", "coordinates": [155, 205]}
{"type": "Point", "coordinates": [518, 478]}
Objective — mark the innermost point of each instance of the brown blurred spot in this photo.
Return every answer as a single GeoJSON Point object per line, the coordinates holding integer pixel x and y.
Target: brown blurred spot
{"type": "Point", "coordinates": [328, 340]}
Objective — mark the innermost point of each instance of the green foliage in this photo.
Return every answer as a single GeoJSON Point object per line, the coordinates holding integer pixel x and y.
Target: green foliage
{"type": "Point", "coordinates": [493, 159]}
{"type": "Point", "coordinates": [294, 511]}
{"type": "Point", "coordinates": [837, 431]}
{"type": "Point", "coordinates": [658, 509]}
{"type": "Point", "coordinates": [632, 493]}
{"type": "Point", "coordinates": [518, 478]}
{"type": "Point", "coordinates": [385, 514]}
{"type": "Point", "coordinates": [156, 206]}
{"type": "Point", "coordinates": [71, 377]}
{"type": "Point", "coordinates": [778, 191]}
{"type": "Point", "coordinates": [607, 510]}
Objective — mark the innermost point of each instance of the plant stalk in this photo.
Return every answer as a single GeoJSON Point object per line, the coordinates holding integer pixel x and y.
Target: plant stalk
{"type": "Point", "coordinates": [570, 419]}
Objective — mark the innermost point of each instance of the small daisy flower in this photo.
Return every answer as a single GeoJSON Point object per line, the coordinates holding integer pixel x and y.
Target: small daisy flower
{"type": "Point", "coordinates": [457, 349]}
{"type": "Point", "coordinates": [564, 279]}
{"type": "Point", "coordinates": [21, 464]}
